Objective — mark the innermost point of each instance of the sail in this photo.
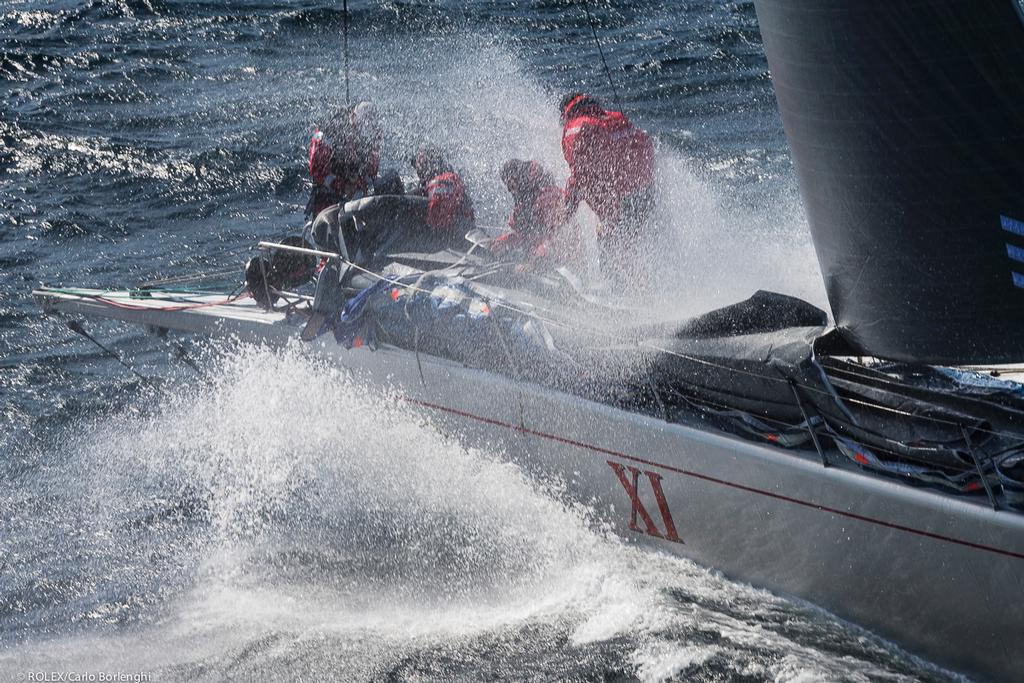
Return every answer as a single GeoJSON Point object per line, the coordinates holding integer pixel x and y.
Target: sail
{"type": "Point", "coordinates": [906, 124]}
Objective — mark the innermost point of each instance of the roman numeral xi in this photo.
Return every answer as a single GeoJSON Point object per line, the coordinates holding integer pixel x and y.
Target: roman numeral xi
{"type": "Point", "coordinates": [629, 477]}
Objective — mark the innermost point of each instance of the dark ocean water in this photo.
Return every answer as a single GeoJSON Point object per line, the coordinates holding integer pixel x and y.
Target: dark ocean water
{"type": "Point", "coordinates": [279, 522]}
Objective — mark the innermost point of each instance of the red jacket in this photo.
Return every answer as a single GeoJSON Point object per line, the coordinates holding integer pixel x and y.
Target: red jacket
{"type": "Point", "coordinates": [609, 159]}
{"type": "Point", "coordinates": [341, 169]}
{"type": "Point", "coordinates": [449, 208]}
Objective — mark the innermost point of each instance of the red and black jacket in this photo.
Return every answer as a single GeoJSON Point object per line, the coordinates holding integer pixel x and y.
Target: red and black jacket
{"type": "Point", "coordinates": [449, 208]}
{"type": "Point", "coordinates": [609, 159]}
{"type": "Point", "coordinates": [342, 166]}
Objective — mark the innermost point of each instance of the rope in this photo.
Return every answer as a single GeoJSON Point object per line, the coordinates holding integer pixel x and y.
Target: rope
{"type": "Point", "coordinates": [344, 43]}
{"type": "Point", "coordinates": [201, 276]}
{"type": "Point", "coordinates": [600, 50]}
{"type": "Point", "coordinates": [189, 278]}
{"type": "Point", "coordinates": [163, 309]}
{"type": "Point", "coordinates": [77, 328]}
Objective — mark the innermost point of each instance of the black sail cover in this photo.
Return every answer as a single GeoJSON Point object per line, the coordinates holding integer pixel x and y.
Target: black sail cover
{"type": "Point", "coordinates": [906, 123]}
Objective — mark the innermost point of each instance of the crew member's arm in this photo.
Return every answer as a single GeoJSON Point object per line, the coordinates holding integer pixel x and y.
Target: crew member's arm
{"type": "Point", "coordinates": [510, 240]}
{"type": "Point", "coordinates": [550, 210]}
{"type": "Point", "coordinates": [319, 164]}
{"type": "Point", "coordinates": [517, 218]}
{"type": "Point", "coordinates": [572, 193]}
{"type": "Point", "coordinates": [580, 171]}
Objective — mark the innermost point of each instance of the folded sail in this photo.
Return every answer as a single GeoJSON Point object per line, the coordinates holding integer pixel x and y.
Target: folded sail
{"type": "Point", "coordinates": [906, 123]}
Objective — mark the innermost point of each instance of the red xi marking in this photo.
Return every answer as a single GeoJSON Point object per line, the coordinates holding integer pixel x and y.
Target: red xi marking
{"type": "Point", "coordinates": [631, 483]}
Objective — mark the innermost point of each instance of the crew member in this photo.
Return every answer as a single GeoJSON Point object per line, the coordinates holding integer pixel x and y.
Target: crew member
{"type": "Point", "coordinates": [449, 208]}
{"type": "Point", "coordinates": [538, 209]}
{"type": "Point", "coordinates": [344, 157]}
{"type": "Point", "coordinates": [611, 164]}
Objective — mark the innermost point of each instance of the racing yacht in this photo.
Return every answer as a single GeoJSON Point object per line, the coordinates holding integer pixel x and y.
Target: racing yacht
{"type": "Point", "coordinates": [871, 463]}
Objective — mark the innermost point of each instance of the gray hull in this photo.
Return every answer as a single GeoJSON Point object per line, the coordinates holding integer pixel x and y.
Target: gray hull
{"type": "Point", "coordinates": [935, 573]}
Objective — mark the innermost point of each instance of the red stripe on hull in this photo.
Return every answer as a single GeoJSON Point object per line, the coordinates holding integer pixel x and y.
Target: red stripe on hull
{"type": "Point", "coordinates": [722, 482]}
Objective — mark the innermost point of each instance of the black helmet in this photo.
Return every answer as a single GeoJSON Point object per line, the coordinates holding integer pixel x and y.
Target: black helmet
{"type": "Point", "coordinates": [389, 183]}
{"type": "Point", "coordinates": [264, 277]}
{"type": "Point", "coordinates": [289, 269]}
{"type": "Point", "coordinates": [257, 281]}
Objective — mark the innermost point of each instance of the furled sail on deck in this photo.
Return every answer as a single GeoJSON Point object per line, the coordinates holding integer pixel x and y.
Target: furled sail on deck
{"type": "Point", "coordinates": [906, 123]}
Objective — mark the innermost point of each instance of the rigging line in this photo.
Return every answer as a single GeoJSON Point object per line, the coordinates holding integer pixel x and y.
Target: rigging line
{"type": "Point", "coordinates": [77, 328]}
{"type": "Point", "coordinates": [883, 375]}
{"type": "Point", "coordinates": [657, 396]}
{"type": "Point", "coordinates": [188, 278]}
{"type": "Point", "coordinates": [981, 473]}
{"type": "Point", "coordinates": [164, 309]}
{"type": "Point", "coordinates": [701, 404]}
{"type": "Point", "coordinates": [885, 379]}
{"type": "Point", "coordinates": [344, 47]}
{"type": "Point", "coordinates": [807, 421]}
{"type": "Point", "coordinates": [705, 404]}
{"type": "Point", "coordinates": [600, 50]}
{"type": "Point", "coordinates": [200, 276]}
{"type": "Point", "coordinates": [822, 392]}
{"type": "Point", "coordinates": [905, 413]}
{"type": "Point", "coordinates": [889, 446]}
{"type": "Point", "coordinates": [181, 354]}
